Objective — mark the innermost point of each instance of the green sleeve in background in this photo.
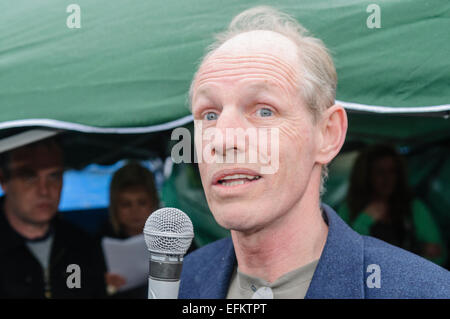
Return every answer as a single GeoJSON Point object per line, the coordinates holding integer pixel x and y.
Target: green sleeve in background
{"type": "Point", "coordinates": [361, 224]}
{"type": "Point", "coordinates": [344, 213]}
{"type": "Point", "coordinates": [427, 231]}
{"type": "Point", "coordinates": [426, 228]}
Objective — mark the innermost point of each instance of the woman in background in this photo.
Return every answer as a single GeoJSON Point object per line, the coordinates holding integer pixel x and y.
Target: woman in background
{"type": "Point", "coordinates": [380, 204]}
{"type": "Point", "coordinates": [133, 197]}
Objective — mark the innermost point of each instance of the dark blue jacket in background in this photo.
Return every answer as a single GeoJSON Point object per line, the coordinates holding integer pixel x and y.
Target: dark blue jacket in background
{"type": "Point", "coordinates": [342, 271]}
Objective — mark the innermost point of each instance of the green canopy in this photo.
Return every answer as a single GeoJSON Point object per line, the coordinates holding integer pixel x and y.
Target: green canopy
{"type": "Point", "coordinates": [128, 68]}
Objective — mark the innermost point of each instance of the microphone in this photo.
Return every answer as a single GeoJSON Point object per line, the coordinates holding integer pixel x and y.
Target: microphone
{"type": "Point", "coordinates": [168, 234]}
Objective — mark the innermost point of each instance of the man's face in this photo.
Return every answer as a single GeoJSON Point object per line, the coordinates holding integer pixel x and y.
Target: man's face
{"type": "Point", "coordinates": [34, 187]}
{"type": "Point", "coordinates": [251, 82]}
{"type": "Point", "coordinates": [134, 205]}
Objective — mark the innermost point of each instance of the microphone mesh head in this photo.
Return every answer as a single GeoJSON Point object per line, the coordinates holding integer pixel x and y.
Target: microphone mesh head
{"type": "Point", "coordinates": [168, 231]}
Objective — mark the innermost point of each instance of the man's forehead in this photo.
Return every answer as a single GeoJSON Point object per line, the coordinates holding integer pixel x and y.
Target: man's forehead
{"type": "Point", "coordinates": [263, 55]}
{"type": "Point", "coordinates": [39, 157]}
{"type": "Point", "coordinates": [255, 85]}
{"type": "Point", "coordinates": [260, 42]}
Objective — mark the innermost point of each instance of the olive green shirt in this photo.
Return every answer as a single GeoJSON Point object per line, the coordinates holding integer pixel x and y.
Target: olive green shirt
{"type": "Point", "coordinates": [292, 285]}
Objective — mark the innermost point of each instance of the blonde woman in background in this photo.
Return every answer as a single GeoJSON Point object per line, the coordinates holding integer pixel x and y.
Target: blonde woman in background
{"type": "Point", "coordinates": [133, 197]}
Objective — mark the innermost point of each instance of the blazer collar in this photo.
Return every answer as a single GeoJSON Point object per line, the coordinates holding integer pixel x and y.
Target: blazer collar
{"type": "Point", "coordinates": [339, 273]}
{"type": "Point", "coordinates": [220, 274]}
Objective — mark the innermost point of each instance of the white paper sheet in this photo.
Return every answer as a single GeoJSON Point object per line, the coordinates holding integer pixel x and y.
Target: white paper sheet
{"type": "Point", "coordinates": [128, 258]}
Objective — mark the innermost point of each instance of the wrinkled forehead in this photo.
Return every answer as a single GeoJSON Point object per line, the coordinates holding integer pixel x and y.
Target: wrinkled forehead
{"type": "Point", "coordinates": [261, 41]}
{"type": "Point", "coordinates": [37, 157]}
{"type": "Point", "coordinates": [255, 53]}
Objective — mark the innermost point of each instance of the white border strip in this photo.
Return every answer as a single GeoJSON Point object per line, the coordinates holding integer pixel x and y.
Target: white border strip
{"type": "Point", "coordinates": [394, 110]}
{"type": "Point", "coordinates": [92, 129]}
{"type": "Point", "coordinates": [187, 119]}
{"type": "Point", "coordinates": [24, 138]}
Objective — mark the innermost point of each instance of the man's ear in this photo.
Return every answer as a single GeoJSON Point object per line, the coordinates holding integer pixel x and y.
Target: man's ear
{"type": "Point", "coordinates": [333, 129]}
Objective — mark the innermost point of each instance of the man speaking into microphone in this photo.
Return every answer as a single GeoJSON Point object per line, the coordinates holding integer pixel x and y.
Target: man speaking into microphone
{"type": "Point", "coordinates": [267, 74]}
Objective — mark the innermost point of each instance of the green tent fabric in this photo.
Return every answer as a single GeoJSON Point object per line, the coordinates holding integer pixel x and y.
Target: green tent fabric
{"type": "Point", "coordinates": [128, 67]}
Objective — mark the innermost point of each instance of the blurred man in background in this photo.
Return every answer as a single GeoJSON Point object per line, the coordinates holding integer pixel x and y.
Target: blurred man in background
{"type": "Point", "coordinates": [42, 255]}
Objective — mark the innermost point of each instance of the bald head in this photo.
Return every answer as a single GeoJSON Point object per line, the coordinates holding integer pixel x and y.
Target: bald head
{"type": "Point", "coordinates": [260, 42]}
{"type": "Point", "coordinates": [255, 59]}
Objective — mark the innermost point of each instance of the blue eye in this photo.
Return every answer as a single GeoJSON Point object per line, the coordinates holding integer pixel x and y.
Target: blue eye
{"type": "Point", "coordinates": [264, 112]}
{"type": "Point", "coordinates": [210, 116]}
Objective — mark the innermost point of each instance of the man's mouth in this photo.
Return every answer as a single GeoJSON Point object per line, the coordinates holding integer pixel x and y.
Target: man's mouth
{"type": "Point", "coordinates": [235, 177]}
{"type": "Point", "coordinates": [44, 205]}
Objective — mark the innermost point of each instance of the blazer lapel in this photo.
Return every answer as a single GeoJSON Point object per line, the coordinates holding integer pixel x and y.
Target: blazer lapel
{"type": "Point", "coordinates": [340, 271]}
{"type": "Point", "coordinates": [217, 273]}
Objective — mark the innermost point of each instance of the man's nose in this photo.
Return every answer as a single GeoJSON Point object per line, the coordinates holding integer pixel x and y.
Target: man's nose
{"type": "Point", "coordinates": [229, 135]}
{"type": "Point", "coordinates": [43, 186]}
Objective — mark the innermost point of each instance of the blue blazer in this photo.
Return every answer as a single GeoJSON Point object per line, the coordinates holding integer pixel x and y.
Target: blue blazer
{"type": "Point", "coordinates": [345, 269]}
